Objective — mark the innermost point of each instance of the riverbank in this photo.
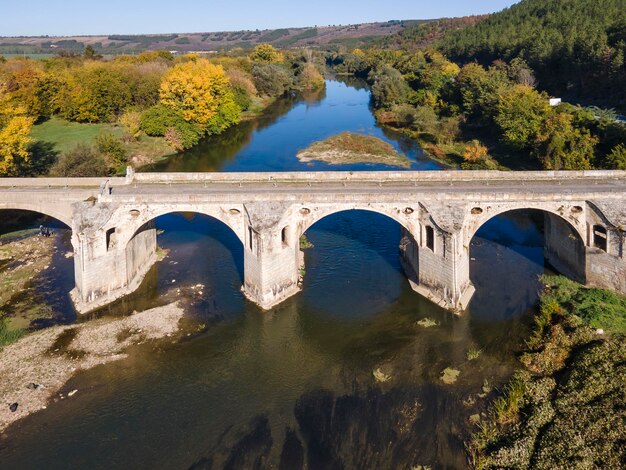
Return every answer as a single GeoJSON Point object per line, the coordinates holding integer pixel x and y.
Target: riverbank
{"type": "Point", "coordinates": [36, 367]}
{"type": "Point", "coordinates": [24, 255]}
{"type": "Point", "coordinates": [566, 407]}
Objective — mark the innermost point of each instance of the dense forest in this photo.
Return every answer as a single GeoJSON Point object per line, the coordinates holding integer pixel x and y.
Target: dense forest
{"type": "Point", "coordinates": [577, 48]}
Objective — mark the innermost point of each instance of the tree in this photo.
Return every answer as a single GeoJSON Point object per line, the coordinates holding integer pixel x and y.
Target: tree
{"type": "Point", "coordinates": [266, 53]}
{"type": "Point", "coordinates": [272, 79]}
{"type": "Point", "coordinates": [560, 146]}
{"type": "Point", "coordinates": [95, 92]}
{"type": "Point", "coordinates": [389, 87]}
{"type": "Point", "coordinates": [521, 110]}
{"type": "Point", "coordinates": [200, 92]}
{"type": "Point", "coordinates": [90, 53]}
{"type": "Point", "coordinates": [15, 126]}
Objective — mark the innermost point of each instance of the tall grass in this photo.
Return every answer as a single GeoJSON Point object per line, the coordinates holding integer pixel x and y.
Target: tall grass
{"type": "Point", "coordinates": [8, 336]}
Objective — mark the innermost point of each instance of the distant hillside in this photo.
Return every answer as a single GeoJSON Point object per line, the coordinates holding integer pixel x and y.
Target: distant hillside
{"type": "Point", "coordinates": [576, 47]}
{"type": "Point", "coordinates": [425, 33]}
{"type": "Point", "coordinates": [356, 35]}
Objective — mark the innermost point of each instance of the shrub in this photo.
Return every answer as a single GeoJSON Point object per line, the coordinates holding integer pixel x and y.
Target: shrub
{"type": "Point", "coordinates": [405, 115]}
{"type": "Point", "coordinates": [474, 152]}
{"type": "Point", "coordinates": [131, 121]}
{"type": "Point", "coordinates": [241, 98]}
{"type": "Point", "coordinates": [81, 161]}
{"type": "Point", "coordinates": [156, 121]}
{"type": "Point", "coordinates": [112, 149]}
{"type": "Point", "coordinates": [448, 129]}
{"type": "Point", "coordinates": [310, 78]}
{"type": "Point", "coordinates": [242, 80]}
{"type": "Point", "coordinates": [617, 158]}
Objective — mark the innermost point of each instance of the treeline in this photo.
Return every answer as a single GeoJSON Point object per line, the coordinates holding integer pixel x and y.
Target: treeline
{"type": "Point", "coordinates": [576, 47]}
{"type": "Point", "coordinates": [435, 100]}
{"type": "Point", "coordinates": [180, 99]}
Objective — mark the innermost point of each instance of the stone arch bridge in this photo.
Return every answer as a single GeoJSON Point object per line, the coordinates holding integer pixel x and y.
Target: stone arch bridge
{"type": "Point", "coordinates": [114, 238]}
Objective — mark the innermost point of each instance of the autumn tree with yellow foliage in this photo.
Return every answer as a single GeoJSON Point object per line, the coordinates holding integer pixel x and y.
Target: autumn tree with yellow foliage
{"type": "Point", "coordinates": [15, 127]}
{"type": "Point", "coordinates": [200, 92]}
{"type": "Point", "coordinates": [266, 53]}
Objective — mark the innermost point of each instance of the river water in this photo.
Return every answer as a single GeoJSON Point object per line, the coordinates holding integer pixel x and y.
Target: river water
{"type": "Point", "coordinates": [340, 376]}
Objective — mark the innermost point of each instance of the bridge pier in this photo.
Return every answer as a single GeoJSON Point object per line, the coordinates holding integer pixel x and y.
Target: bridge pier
{"type": "Point", "coordinates": [437, 267]}
{"type": "Point", "coordinates": [271, 266]}
{"type": "Point", "coordinates": [106, 270]}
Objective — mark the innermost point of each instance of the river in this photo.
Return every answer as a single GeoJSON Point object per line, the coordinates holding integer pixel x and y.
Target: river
{"type": "Point", "coordinates": [342, 375]}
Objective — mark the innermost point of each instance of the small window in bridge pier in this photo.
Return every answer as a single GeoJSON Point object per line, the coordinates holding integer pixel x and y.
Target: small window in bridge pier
{"type": "Point", "coordinates": [430, 238]}
{"type": "Point", "coordinates": [284, 237]}
{"type": "Point", "coordinates": [110, 238]}
{"type": "Point", "coordinates": [250, 238]}
{"type": "Point", "coordinates": [600, 238]}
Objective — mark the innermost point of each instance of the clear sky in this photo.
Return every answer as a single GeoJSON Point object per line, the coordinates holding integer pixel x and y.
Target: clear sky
{"type": "Point", "coordinates": [74, 17]}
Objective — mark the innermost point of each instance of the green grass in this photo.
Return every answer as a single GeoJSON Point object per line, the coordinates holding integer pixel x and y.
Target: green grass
{"type": "Point", "coordinates": [597, 307]}
{"type": "Point", "coordinates": [66, 135]}
{"type": "Point", "coordinates": [8, 336]}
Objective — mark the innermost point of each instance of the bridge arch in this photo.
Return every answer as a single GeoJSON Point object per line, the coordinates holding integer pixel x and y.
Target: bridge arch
{"type": "Point", "coordinates": [479, 215]}
{"type": "Point", "coordinates": [563, 235]}
{"type": "Point", "coordinates": [48, 211]}
{"type": "Point", "coordinates": [135, 218]}
{"type": "Point", "coordinates": [307, 216]}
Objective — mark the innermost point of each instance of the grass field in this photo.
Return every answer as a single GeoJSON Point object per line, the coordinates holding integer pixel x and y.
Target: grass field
{"type": "Point", "coordinates": [65, 135]}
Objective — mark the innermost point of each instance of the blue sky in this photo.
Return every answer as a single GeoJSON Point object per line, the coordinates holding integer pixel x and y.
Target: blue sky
{"type": "Point", "coordinates": [73, 17]}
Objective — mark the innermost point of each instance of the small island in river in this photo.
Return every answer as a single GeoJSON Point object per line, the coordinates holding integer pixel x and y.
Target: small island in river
{"type": "Point", "coordinates": [349, 148]}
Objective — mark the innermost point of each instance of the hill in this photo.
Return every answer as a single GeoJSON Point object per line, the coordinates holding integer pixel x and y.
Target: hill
{"type": "Point", "coordinates": [356, 35]}
{"type": "Point", "coordinates": [576, 47]}
{"type": "Point", "coordinates": [423, 34]}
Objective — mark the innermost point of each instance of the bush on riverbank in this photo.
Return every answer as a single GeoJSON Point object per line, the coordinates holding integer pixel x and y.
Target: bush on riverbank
{"type": "Point", "coordinates": [567, 408]}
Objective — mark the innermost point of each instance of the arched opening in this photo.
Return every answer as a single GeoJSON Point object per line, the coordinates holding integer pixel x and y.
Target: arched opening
{"type": "Point", "coordinates": [509, 253]}
{"type": "Point", "coordinates": [284, 236]}
{"type": "Point", "coordinates": [430, 238]}
{"type": "Point", "coordinates": [352, 265]}
{"type": "Point", "coordinates": [200, 261]}
{"type": "Point", "coordinates": [36, 270]}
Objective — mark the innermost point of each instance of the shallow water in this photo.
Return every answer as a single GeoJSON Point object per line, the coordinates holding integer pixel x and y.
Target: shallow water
{"type": "Point", "coordinates": [295, 385]}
